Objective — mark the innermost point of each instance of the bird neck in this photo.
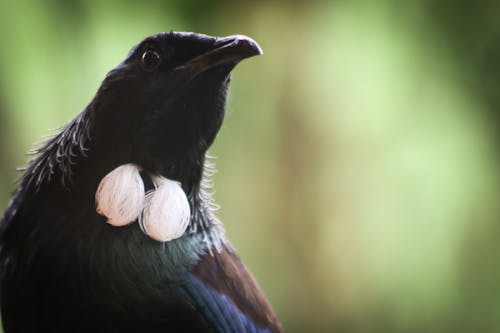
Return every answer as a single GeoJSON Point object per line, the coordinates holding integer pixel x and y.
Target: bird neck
{"type": "Point", "coordinates": [203, 218]}
{"type": "Point", "coordinates": [71, 151]}
{"type": "Point", "coordinates": [56, 157]}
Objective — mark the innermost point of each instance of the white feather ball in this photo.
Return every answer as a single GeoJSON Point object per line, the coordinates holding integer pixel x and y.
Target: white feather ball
{"type": "Point", "coordinates": [120, 196]}
{"type": "Point", "coordinates": [166, 212]}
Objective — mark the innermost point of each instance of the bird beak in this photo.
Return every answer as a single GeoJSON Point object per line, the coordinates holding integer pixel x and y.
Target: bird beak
{"type": "Point", "coordinates": [227, 50]}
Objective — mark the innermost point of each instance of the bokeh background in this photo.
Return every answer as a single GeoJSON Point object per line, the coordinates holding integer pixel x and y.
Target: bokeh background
{"type": "Point", "coordinates": [358, 167]}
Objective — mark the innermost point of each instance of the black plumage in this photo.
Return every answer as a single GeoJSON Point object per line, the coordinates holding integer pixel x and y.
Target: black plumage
{"type": "Point", "coordinates": [64, 269]}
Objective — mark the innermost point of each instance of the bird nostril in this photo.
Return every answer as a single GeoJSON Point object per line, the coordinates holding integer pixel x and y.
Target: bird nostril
{"type": "Point", "coordinates": [219, 42]}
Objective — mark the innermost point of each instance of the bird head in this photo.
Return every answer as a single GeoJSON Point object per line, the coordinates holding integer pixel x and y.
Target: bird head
{"type": "Point", "coordinates": [162, 107]}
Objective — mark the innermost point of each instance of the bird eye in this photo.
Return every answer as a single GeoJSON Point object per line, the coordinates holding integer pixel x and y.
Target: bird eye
{"type": "Point", "coordinates": [150, 60]}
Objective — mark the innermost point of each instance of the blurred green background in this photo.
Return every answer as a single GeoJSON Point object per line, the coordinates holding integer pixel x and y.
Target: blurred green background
{"type": "Point", "coordinates": [359, 161]}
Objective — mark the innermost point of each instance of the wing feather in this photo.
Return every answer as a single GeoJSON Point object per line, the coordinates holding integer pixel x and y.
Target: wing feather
{"type": "Point", "coordinates": [229, 297]}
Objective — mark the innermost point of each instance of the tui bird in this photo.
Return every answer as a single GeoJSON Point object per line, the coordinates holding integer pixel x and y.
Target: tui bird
{"type": "Point", "coordinates": [112, 227]}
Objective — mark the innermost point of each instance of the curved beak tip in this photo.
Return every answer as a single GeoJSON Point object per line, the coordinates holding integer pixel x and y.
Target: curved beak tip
{"type": "Point", "coordinates": [240, 45]}
{"type": "Point", "coordinates": [247, 44]}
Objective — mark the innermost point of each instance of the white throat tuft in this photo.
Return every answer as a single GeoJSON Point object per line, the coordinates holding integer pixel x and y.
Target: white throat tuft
{"type": "Point", "coordinates": [166, 212]}
{"type": "Point", "coordinates": [121, 195]}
